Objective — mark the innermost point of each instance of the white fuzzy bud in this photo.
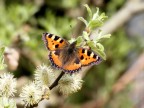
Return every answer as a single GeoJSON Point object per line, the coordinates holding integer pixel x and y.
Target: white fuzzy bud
{"type": "Point", "coordinates": [7, 85]}
{"type": "Point", "coordinates": [44, 75]}
{"type": "Point", "coordinates": [31, 94]}
{"type": "Point", "coordinates": [7, 103]}
{"type": "Point", "coordinates": [70, 83]}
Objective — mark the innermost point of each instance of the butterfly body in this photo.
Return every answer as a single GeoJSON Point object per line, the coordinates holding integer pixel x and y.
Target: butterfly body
{"type": "Point", "coordinates": [66, 56]}
{"type": "Point", "coordinates": [68, 53]}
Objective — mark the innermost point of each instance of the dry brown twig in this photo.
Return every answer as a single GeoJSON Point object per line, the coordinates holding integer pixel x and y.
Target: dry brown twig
{"type": "Point", "coordinates": [130, 74]}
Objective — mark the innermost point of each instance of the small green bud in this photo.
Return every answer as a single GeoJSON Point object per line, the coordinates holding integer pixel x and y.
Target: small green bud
{"type": "Point", "coordinates": [83, 20]}
{"type": "Point", "coordinates": [86, 35]}
{"type": "Point", "coordinates": [88, 10]}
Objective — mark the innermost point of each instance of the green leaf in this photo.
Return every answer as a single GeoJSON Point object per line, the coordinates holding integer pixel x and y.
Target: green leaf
{"type": "Point", "coordinates": [102, 17]}
{"type": "Point", "coordinates": [79, 40]}
{"type": "Point", "coordinates": [88, 10]}
{"type": "Point", "coordinates": [83, 20]}
{"type": "Point", "coordinates": [97, 20]}
{"type": "Point", "coordinates": [99, 49]}
{"type": "Point", "coordinates": [91, 44]}
{"type": "Point", "coordinates": [100, 53]}
{"type": "Point", "coordinates": [100, 46]}
{"type": "Point", "coordinates": [106, 36]}
{"type": "Point", "coordinates": [96, 14]}
{"type": "Point", "coordinates": [100, 36]}
{"type": "Point", "coordinates": [86, 35]}
{"type": "Point", "coordinates": [94, 24]}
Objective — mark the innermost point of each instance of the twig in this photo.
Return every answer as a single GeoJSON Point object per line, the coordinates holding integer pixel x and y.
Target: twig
{"type": "Point", "coordinates": [130, 74]}
{"type": "Point", "coordinates": [55, 83]}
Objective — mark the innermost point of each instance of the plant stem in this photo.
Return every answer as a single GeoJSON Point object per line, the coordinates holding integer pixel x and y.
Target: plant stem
{"type": "Point", "coordinates": [55, 83]}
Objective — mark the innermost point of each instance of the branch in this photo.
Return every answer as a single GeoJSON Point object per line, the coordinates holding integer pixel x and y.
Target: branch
{"type": "Point", "coordinates": [130, 74]}
{"type": "Point", "coordinates": [55, 83]}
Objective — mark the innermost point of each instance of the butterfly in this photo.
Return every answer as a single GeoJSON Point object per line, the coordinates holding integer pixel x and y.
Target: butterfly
{"type": "Point", "coordinates": [66, 56]}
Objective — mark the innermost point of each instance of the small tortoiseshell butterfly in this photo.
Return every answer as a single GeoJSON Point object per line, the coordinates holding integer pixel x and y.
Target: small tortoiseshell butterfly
{"type": "Point", "coordinates": [66, 56]}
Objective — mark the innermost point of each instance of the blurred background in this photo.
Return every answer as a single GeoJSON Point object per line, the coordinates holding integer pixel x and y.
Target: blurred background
{"type": "Point", "coordinates": [115, 83]}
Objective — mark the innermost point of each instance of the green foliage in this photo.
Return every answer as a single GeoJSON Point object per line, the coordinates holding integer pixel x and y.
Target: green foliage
{"type": "Point", "coordinates": [95, 20]}
{"type": "Point", "coordinates": [56, 25]}
{"type": "Point", "coordinates": [2, 65]}
{"type": "Point", "coordinates": [63, 3]}
{"type": "Point", "coordinates": [13, 18]}
{"type": "Point", "coordinates": [21, 13]}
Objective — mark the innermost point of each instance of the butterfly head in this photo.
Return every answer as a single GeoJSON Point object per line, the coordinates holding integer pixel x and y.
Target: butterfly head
{"type": "Point", "coordinates": [72, 47]}
{"type": "Point", "coordinates": [74, 44]}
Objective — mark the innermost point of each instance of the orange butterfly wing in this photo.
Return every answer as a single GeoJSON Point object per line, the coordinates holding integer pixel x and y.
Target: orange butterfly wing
{"type": "Point", "coordinates": [88, 57]}
{"type": "Point", "coordinates": [72, 65]}
{"type": "Point", "coordinates": [55, 60]}
{"type": "Point", "coordinates": [53, 42]}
